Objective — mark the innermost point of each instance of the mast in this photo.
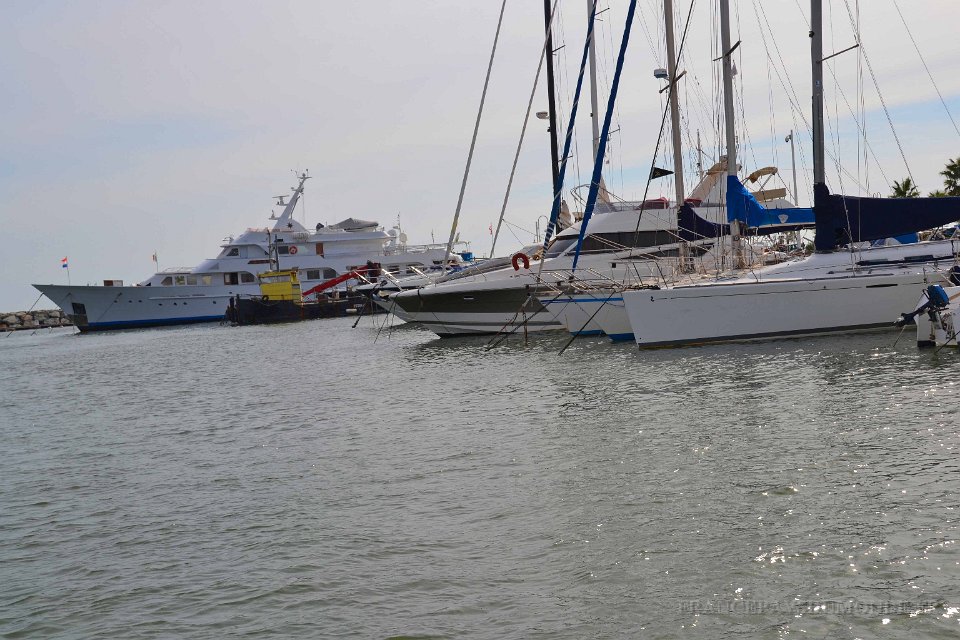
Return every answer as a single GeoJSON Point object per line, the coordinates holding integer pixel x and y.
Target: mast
{"type": "Point", "coordinates": [675, 124]}
{"type": "Point", "coordinates": [728, 116]}
{"type": "Point", "coordinates": [793, 164]}
{"type": "Point", "coordinates": [594, 105]}
{"type": "Point", "coordinates": [816, 61]}
{"type": "Point", "coordinates": [285, 221]}
{"type": "Point", "coordinates": [699, 157]}
{"type": "Point", "coordinates": [551, 99]}
{"type": "Point", "coordinates": [674, 102]}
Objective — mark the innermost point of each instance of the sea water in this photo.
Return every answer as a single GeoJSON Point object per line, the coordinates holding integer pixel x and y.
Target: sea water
{"type": "Point", "coordinates": [320, 480]}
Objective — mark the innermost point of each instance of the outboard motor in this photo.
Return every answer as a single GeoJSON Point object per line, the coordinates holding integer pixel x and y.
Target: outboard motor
{"type": "Point", "coordinates": [937, 300]}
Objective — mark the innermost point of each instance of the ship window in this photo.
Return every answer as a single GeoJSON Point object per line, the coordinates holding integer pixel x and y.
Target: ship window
{"type": "Point", "coordinates": [283, 249]}
{"type": "Point", "coordinates": [206, 280]}
{"type": "Point", "coordinates": [191, 279]}
{"type": "Point", "coordinates": [79, 309]}
{"type": "Point", "coordinates": [247, 277]}
{"type": "Point", "coordinates": [319, 248]}
{"type": "Point", "coordinates": [167, 281]}
{"type": "Point", "coordinates": [180, 279]}
{"type": "Point", "coordinates": [321, 274]}
{"type": "Point", "coordinates": [231, 278]}
{"type": "Point", "coordinates": [235, 251]}
{"type": "Point", "coordinates": [559, 245]}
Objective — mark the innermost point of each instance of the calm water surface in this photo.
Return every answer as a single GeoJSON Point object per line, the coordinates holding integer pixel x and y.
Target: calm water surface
{"type": "Point", "coordinates": [316, 480]}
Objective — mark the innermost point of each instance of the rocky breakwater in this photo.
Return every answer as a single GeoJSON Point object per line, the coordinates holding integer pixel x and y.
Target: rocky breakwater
{"type": "Point", "coordinates": [33, 320]}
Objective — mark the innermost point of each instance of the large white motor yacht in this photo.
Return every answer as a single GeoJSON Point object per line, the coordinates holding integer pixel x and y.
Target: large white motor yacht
{"type": "Point", "coordinates": [202, 293]}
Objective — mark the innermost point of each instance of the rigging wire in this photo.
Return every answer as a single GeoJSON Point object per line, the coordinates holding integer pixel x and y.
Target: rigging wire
{"type": "Point", "coordinates": [473, 141]}
{"type": "Point", "coordinates": [798, 110]}
{"type": "Point", "coordinates": [523, 131]}
{"type": "Point", "coordinates": [930, 75]}
{"type": "Point", "coordinates": [886, 111]}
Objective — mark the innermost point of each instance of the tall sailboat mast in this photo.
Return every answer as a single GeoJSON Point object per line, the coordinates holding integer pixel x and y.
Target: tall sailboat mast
{"type": "Point", "coordinates": [731, 133]}
{"type": "Point", "coordinates": [551, 98]}
{"type": "Point", "coordinates": [594, 106]}
{"type": "Point", "coordinates": [816, 62]}
{"type": "Point", "coordinates": [674, 102]}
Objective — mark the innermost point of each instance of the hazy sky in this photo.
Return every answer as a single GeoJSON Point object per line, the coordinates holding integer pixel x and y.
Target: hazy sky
{"type": "Point", "coordinates": [134, 127]}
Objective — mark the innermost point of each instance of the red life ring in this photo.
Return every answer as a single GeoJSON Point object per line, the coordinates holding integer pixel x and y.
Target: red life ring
{"type": "Point", "coordinates": [518, 258]}
{"type": "Point", "coordinates": [293, 251]}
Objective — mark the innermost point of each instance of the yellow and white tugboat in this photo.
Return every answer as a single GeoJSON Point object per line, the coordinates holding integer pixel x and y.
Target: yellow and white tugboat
{"type": "Point", "coordinates": [281, 298]}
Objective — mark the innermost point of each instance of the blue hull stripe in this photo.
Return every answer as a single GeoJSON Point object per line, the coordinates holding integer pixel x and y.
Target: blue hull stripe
{"type": "Point", "coordinates": [576, 300]}
{"type": "Point", "coordinates": [595, 332]}
{"type": "Point", "coordinates": [620, 337]}
{"type": "Point", "coordinates": [155, 322]}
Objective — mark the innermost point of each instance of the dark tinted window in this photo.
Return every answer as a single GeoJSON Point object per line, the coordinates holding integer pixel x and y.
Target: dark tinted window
{"type": "Point", "coordinates": [559, 245]}
{"type": "Point", "coordinates": [617, 241]}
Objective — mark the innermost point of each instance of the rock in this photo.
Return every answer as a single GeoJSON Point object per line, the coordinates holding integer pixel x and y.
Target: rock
{"type": "Point", "coordinates": [11, 319]}
{"type": "Point", "coordinates": [26, 318]}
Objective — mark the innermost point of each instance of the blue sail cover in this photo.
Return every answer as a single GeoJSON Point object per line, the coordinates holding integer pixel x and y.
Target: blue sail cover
{"type": "Point", "coordinates": [691, 227]}
{"type": "Point", "coordinates": [742, 206]}
{"type": "Point", "coordinates": [845, 219]}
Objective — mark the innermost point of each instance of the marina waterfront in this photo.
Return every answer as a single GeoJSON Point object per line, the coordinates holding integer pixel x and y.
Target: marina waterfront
{"type": "Point", "coordinates": [322, 481]}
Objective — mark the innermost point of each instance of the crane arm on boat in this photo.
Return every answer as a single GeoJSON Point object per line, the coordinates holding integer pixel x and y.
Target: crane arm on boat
{"type": "Point", "coordinates": [370, 269]}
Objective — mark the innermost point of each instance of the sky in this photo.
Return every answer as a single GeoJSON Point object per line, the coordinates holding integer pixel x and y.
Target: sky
{"type": "Point", "coordinates": [138, 127]}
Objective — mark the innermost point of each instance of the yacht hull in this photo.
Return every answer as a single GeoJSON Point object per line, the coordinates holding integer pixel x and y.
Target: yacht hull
{"type": "Point", "coordinates": [612, 318]}
{"type": "Point", "coordinates": [577, 312]}
{"type": "Point", "coordinates": [477, 311]}
{"type": "Point", "coordinates": [96, 308]}
{"type": "Point", "coordinates": [735, 312]}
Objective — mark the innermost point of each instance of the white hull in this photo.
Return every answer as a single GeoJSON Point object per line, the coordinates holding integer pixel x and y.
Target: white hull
{"type": "Point", "coordinates": [613, 320]}
{"type": "Point", "coordinates": [578, 312]}
{"type": "Point", "coordinates": [750, 311]}
{"type": "Point", "coordinates": [105, 308]}
{"type": "Point", "coordinates": [502, 301]}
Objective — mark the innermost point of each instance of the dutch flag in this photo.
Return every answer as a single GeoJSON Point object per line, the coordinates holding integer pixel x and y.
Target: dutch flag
{"type": "Point", "coordinates": [63, 264]}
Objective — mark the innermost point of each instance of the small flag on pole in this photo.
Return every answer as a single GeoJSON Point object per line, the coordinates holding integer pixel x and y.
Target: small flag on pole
{"type": "Point", "coordinates": [491, 228]}
{"type": "Point", "coordinates": [64, 264]}
{"type": "Point", "coordinates": [154, 256]}
{"type": "Point", "coordinates": [657, 172]}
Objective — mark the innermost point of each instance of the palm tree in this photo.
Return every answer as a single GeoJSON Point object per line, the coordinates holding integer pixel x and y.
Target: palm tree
{"type": "Point", "coordinates": [905, 189]}
{"type": "Point", "coordinates": [951, 177]}
{"type": "Point", "coordinates": [939, 193]}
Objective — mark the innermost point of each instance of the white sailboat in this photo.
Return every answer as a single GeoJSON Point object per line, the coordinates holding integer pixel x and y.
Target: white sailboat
{"type": "Point", "coordinates": [834, 290]}
{"type": "Point", "coordinates": [201, 293]}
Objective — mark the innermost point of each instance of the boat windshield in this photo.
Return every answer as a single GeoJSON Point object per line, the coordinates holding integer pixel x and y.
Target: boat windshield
{"type": "Point", "coordinates": [486, 266]}
{"type": "Point", "coordinates": [559, 245]}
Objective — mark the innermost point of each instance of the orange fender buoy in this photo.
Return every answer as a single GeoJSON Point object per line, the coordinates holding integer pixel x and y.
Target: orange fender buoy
{"type": "Point", "coordinates": [293, 251]}
{"type": "Point", "coordinates": [518, 258]}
